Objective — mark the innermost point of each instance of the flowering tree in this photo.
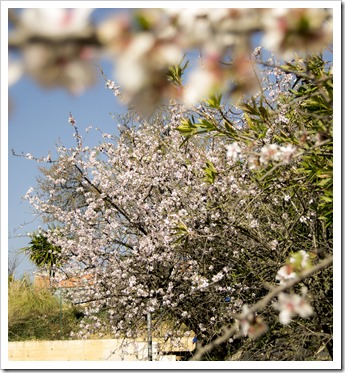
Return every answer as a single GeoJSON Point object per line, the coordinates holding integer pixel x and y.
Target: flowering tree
{"type": "Point", "coordinates": [194, 216]}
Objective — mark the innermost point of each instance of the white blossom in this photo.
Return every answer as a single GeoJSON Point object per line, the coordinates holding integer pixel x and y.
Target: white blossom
{"type": "Point", "coordinates": [233, 151]}
{"type": "Point", "coordinates": [291, 305]}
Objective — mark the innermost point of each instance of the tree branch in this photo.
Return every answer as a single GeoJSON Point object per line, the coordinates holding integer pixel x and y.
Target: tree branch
{"type": "Point", "coordinates": [118, 208]}
{"type": "Point", "coordinates": [229, 332]}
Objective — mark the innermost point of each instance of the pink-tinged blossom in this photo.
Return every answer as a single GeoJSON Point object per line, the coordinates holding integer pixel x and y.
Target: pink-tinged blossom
{"type": "Point", "coordinates": [67, 65]}
{"type": "Point", "coordinates": [139, 70]}
{"type": "Point", "coordinates": [276, 153]}
{"type": "Point", "coordinates": [251, 325]}
{"type": "Point", "coordinates": [297, 262]}
{"type": "Point", "coordinates": [287, 152]}
{"type": "Point", "coordinates": [57, 63]}
{"type": "Point", "coordinates": [55, 22]}
{"type": "Point", "coordinates": [300, 260]}
{"type": "Point", "coordinates": [285, 273]}
{"type": "Point", "coordinates": [291, 305]}
{"type": "Point", "coordinates": [290, 31]}
{"type": "Point", "coordinates": [270, 152]}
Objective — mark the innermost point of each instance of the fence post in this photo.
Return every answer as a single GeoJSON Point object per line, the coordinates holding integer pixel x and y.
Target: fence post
{"type": "Point", "coordinates": [149, 336]}
{"type": "Point", "coordinates": [60, 313]}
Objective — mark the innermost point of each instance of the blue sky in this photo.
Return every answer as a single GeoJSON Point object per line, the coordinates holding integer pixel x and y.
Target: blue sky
{"type": "Point", "coordinates": [38, 119]}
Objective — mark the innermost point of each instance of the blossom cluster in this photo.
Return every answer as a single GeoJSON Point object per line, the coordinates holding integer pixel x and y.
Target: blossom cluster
{"type": "Point", "coordinates": [296, 263]}
{"type": "Point", "coordinates": [144, 56]}
{"type": "Point", "coordinates": [146, 44]}
{"type": "Point", "coordinates": [137, 216]}
{"type": "Point", "coordinates": [56, 58]}
{"type": "Point", "coordinates": [290, 305]}
{"type": "Point", "coordinates": [268, 153]}
{"type": "Point", "coordinates": [251, 325]}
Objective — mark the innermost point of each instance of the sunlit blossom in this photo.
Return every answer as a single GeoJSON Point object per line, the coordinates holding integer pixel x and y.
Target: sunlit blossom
{"type": "Point", "coordinates": [285, 273]}
{"type": "Point", "coordinates": [292, 305]}
{"type": "Point", "coordinates": [57, 22]}
{"type": "Point", "coordinates": [15, 71]}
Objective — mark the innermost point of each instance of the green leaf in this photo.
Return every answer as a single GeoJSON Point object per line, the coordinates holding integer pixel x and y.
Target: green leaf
{"type": "Point", "coordinates": [250, 109]}
{"type": "Point", "coordinates": [181, 229]}
{"type": "Point", "coordinates": [175, 73]}
{"type": "Point", "coordinates": [187, 127]}
{"type": "Point", "coordinates": [210, 172]}
{"type": "Point", "coordinates": [263, 112]}
{"type": "Point", "coordinates": [206, 125]}
{"type": "Point", "coordinates": [214, 101]}
{"type": "Point", "coordinates": [327, 199]}
{"type": "Point", "coordinates": [249, 121]}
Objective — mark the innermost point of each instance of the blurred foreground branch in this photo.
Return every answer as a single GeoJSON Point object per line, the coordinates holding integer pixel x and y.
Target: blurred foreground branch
{"type": "Point", "coordinates": [229, 332]}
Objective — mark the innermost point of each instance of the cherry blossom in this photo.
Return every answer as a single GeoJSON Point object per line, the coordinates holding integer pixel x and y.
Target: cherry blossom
{"type": "Point", "coordinates": [54, 57]}
{"type": "Point", "coordinates": [68, 65]}
{"type": "Point", "coordinates": [250, 324]}
{"type": "Point", "coordinates": [297, 262]}
{"type": "Point", "coordinates": [127, 217]}
{"type": "Point", "coordinates": [15, 71]}
{"type": "Point", "coordinates": [139, 70]}
{"type": "Point", "coordinates": [290, 31]}
{"type": "Point", "coordinates": [55, 22]}
{"type": "Point", "coordinates": [233, 151]}
{"type": "Point", "coordinates": [285, 273]}
{"type": "Point", "coordinates": [291, 305]}
{"type": "Point", "coordinates": [144, 44]}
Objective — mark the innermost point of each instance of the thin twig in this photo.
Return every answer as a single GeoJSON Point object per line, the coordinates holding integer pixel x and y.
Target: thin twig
{"type": "Point", "coordinates": [229, 332]}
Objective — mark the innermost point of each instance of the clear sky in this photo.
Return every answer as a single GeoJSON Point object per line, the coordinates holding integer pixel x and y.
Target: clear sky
{"type": "Point", "coordinates": [39, 117]}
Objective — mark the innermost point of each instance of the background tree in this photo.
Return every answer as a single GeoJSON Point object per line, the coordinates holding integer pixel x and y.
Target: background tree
{"type": "Point", "coordinates": [43, 253]}
{"type": "Point", "coordinates": [13, 263]}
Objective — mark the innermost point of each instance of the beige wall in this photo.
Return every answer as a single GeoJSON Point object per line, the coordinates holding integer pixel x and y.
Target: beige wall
{"type": "Point", "coordinates": [93, 350]}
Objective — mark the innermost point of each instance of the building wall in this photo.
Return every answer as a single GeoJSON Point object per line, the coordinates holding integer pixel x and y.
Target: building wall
{"type": "Point", "coordinates": [92, 350]}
